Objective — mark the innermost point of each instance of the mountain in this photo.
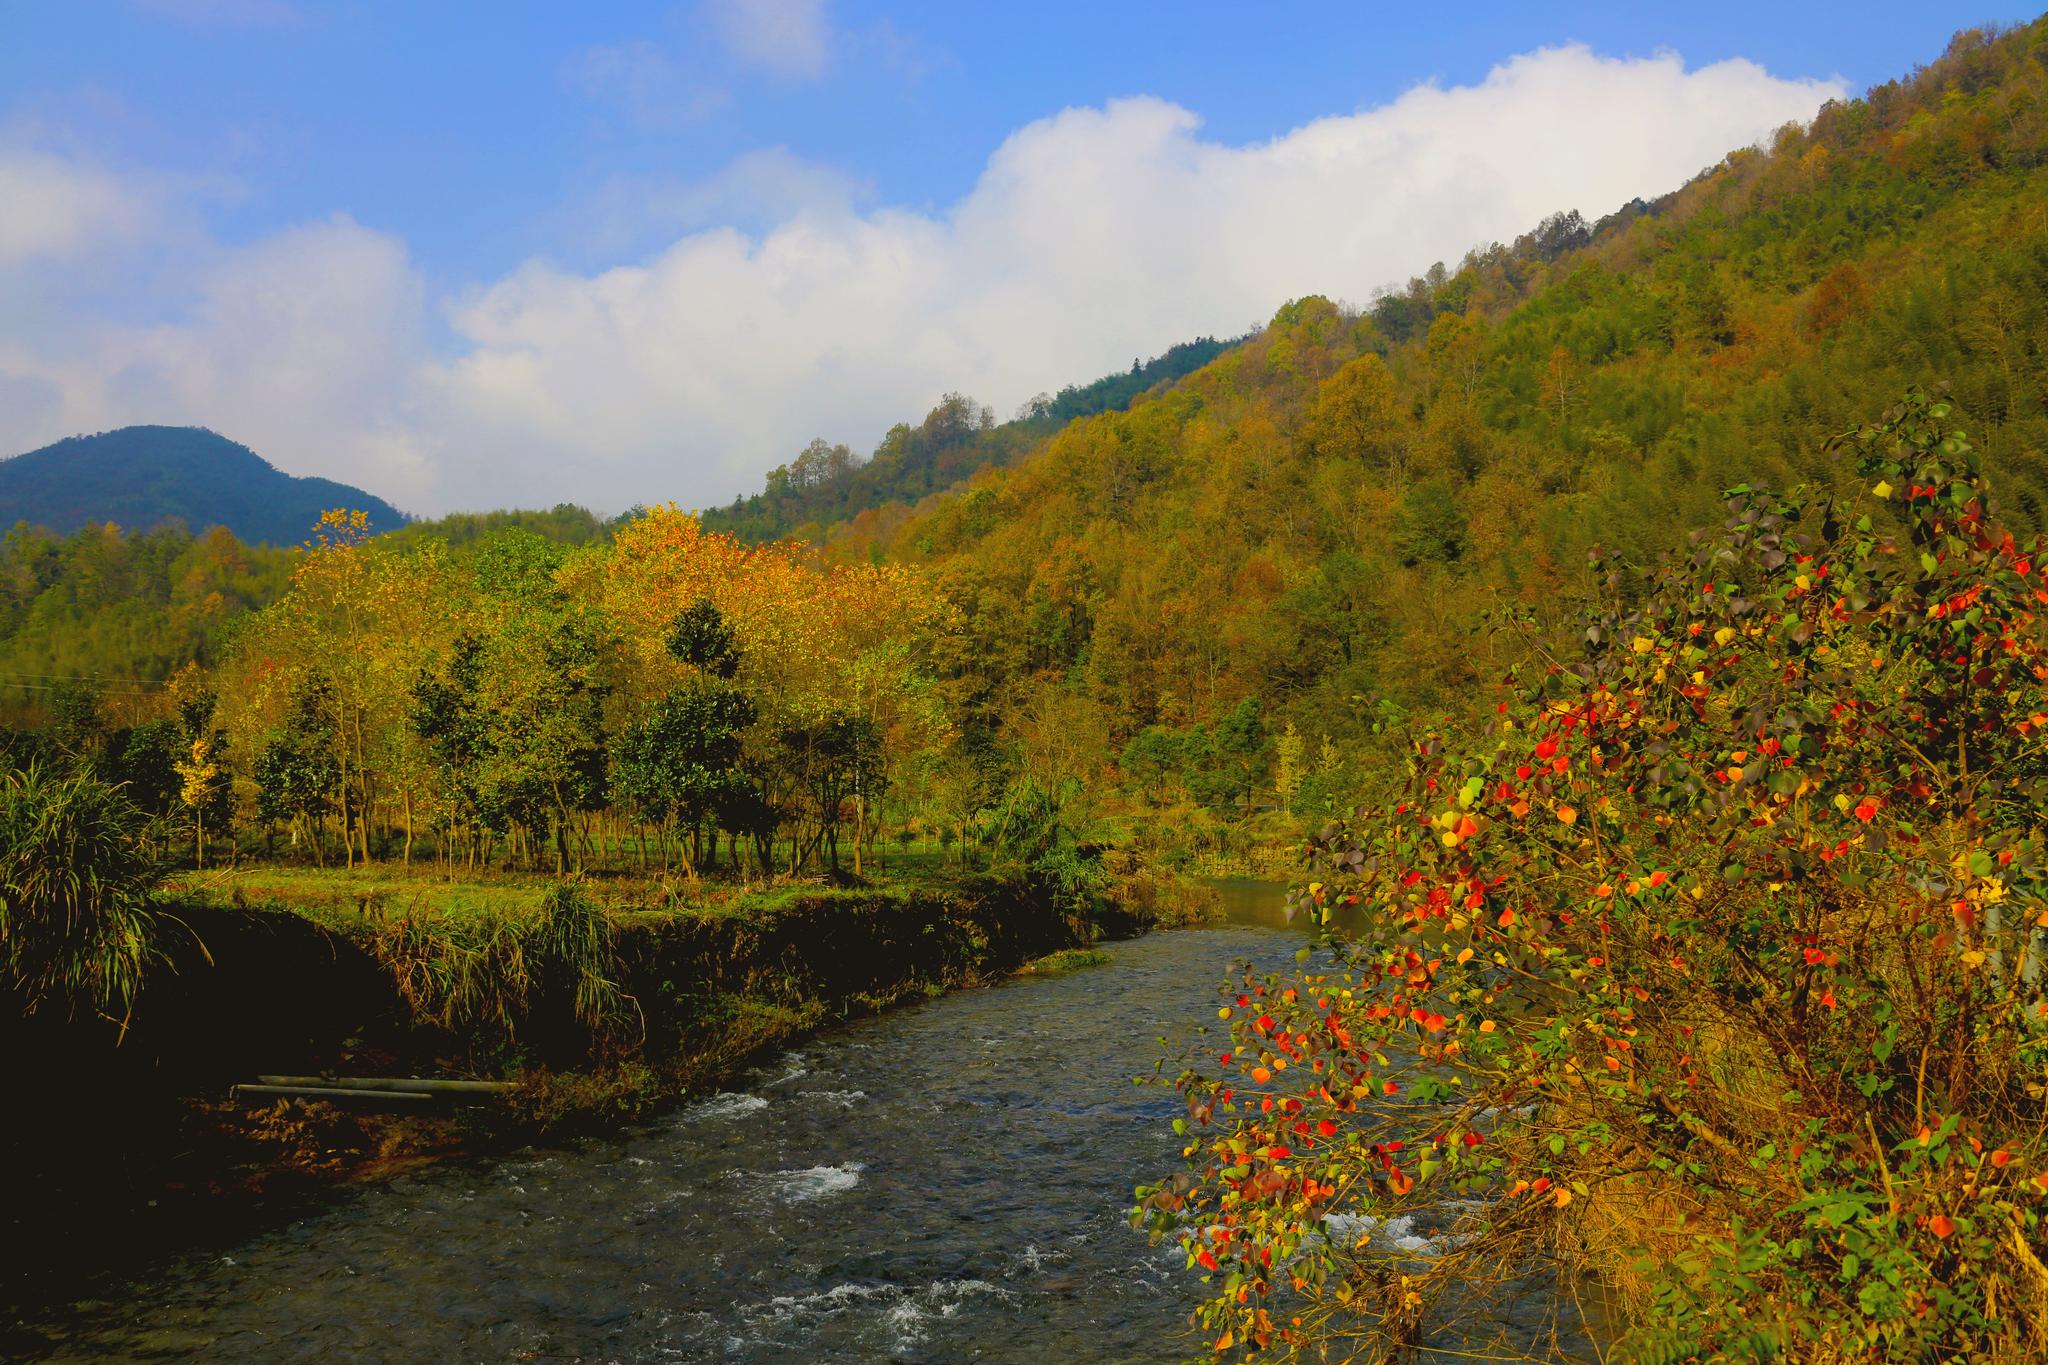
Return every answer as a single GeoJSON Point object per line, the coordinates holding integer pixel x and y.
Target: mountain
{"type": "Point", "coordinates": [142, 476]}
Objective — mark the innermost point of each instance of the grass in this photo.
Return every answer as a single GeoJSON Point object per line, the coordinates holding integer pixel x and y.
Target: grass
{"type": "Point", "coordinates": [1065, 960]}
{"type": "Point", "coordinates": [341, 898]}
{"type": "Point", "coordinates": [349, 899]}
{"type": "Point", "coordinates": [472, 953]}
{"type": "Point", "coordinates": [478, 972]}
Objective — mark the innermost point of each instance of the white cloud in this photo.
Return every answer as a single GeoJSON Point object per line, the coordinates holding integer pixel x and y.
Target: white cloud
{"type": "Point", "coordinates": [58, 208]}
{"type": "Point", "coordinates": [1092, 236]}
{"type": "Point", "coordinates": [784, 37]}
{"type": "Point", "coordinates": [756, 192]}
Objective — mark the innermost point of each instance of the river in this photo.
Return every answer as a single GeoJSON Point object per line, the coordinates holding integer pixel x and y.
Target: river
{"type": "Point", "coordinates": [945, 1182]}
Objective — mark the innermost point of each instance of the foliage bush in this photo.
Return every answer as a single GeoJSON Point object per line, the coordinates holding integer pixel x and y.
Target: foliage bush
{"type": "Point", "coordinates": [76, 927]}
{"type": "Point", "coordinates": [481, 972]}
{"type": "Point", "coordinates": [1714, 969]}
{"type": "Point", "coordinates": [1030, 832]}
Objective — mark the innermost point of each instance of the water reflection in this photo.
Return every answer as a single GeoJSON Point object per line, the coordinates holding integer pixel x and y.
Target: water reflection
{"type": "Point", "coordinates": [1256, 904]}
{"type": "Point", "coordinates": [1263, 905]}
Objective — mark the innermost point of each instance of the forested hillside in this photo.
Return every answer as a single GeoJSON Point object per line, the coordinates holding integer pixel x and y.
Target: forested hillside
{"type": "Point", "coordinates": [123, 609]}
{"type": "Point", "coordinates": [1219, 594]}
{"type": "Point", "coordinates": [827, 483]}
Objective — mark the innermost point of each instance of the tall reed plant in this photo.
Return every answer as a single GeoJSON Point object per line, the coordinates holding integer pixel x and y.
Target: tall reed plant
{"type": "Point", "coordinates": [76, 925]}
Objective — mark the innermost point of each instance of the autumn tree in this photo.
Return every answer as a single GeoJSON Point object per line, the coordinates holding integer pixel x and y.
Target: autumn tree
{"type": "Point", "coordinates": [206, 786]}
{"type": "Point", "coordinates": [1358, 416]}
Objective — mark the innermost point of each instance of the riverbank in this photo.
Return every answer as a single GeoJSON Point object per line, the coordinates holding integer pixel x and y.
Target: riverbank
{"type": "Point", "coordinates": [946, 1181]}
{"type": "Point", "coordinates": [142, 1136]}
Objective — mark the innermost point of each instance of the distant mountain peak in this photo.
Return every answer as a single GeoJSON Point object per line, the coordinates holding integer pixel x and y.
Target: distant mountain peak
{"type": "Point", "coordinates": [142, 476]}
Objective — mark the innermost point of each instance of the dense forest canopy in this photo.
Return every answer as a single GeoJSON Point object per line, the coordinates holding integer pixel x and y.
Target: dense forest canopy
{"type": "Point", "coordinates": [122, 608]}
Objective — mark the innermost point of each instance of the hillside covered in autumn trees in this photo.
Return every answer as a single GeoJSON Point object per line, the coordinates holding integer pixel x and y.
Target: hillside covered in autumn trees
{"type": "Point", "coordinates": [1196, 609]}
{"type": "Point", "coordinates": [1224, 592]}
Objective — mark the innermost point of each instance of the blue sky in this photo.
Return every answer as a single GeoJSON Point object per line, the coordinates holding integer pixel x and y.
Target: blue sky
{"type": "Point", "coordinates": [468, 203]}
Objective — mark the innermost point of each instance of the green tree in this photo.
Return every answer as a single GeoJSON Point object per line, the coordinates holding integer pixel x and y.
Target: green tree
{"type": "Point", "coordinates": [839, 765]}
{"type": "Point", "coordinates": [1358, 416]}
{"type": "Point", "coordinates": [1429, 525]}
{"type": "Point", "coordinates": [296, 772]}
{"type": "Point", "coordinates": [682, 759]}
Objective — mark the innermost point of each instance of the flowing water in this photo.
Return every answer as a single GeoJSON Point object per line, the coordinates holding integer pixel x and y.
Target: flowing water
{"type": "Point", "coordinates": [944, 1182]}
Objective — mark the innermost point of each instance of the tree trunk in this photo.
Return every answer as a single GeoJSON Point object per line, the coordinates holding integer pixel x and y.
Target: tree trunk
{"type": "Point", "coordinates": [348, 848]}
